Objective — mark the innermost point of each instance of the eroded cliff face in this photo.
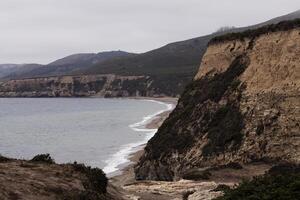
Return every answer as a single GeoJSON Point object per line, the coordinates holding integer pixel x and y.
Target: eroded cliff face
{"type": "Point", "coordinates": [243, 106]}
{"type": "Point", "coordinates": [83, 86]}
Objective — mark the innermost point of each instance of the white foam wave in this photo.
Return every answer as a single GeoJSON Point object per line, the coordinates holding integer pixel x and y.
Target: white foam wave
{"type": "Point", "coordinates": [122, 156]}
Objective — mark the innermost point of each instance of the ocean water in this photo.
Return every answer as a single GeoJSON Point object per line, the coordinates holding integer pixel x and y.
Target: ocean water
{"type": "Point", "coordinates": [98, 132]}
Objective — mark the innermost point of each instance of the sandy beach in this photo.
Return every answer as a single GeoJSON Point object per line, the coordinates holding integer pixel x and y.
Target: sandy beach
{"type": "Point", "coordinates": [127, 173]}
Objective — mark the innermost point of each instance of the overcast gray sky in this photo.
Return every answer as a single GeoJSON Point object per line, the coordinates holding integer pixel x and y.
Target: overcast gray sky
{"type": "Point", "coordinates": [40, 31]}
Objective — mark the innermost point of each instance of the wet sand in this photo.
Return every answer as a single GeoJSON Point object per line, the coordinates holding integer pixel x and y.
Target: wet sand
{"type": "Point", "coordinates": [127, 174]}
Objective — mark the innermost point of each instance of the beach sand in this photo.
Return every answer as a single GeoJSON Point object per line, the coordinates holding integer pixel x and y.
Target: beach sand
{"type": "Point", "coordinates": [127, 173]}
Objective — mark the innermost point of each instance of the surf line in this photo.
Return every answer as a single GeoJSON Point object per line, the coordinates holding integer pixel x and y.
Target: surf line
{"type": "Point", "coordinates": [114, 163]}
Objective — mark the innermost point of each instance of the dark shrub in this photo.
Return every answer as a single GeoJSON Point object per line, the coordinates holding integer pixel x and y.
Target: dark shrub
{"type": "Point", "coordinates": [224, 130]}
{"type": "Point", "coordinates": [4, 159]}
{"type": "Point", "coordinates": [185, 195]}
{"type": "Point", "coordinates": [221, 188]}
{"type": "Point", "coordinates": [97, 180]}
{"type": "Point", "coordinates": [285, 168]}
{"type": "Point", "coordinates": [45, 158]}
{"type": "Point", "coordinates": [278, 184]}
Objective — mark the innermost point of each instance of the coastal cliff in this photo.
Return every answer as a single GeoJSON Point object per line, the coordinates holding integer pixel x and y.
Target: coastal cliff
{"type": "Point", "coordinates": [107, 85]}
{"type": "Point", "coordinates": [243, 106]}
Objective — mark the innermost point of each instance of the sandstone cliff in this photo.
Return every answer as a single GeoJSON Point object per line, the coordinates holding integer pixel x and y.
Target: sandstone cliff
{"type": "Point", "coordinates": [108, 85]}
{"type": "Point", "coordinates": [243, 106]}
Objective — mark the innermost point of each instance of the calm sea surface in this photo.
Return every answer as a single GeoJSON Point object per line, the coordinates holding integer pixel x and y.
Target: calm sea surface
{"type": "Point", "coordinates": [98, 132]}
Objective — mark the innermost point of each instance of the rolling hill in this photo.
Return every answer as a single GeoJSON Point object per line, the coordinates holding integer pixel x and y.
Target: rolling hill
{"type": "Point", "coordinates": [63, 66]}
{"type": "Point", "coordinates": [167, 69]}
{"type": "Point", "coordinates": [176, 58]}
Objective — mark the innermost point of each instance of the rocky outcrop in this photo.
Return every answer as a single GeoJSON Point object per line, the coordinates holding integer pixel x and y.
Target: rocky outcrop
{"type": "Point", "coordinates": [85, 85]}
{"type": "Point", "coordinates": [178, 190]}
{"type": "Point", "coordinates": [41, 178]}
{"type": "Point", "coordinates": [243, 106]}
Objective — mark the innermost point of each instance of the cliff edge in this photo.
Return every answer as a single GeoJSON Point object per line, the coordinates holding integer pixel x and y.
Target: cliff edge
{"type": "Point", "coordinates": [243, 106]}
{"type": "Point", "coordinates": [42, 179]}
{"type": "Point", "coordinates": [101, 85]}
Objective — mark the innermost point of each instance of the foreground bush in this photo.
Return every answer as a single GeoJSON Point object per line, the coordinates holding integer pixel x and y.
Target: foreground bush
{"type": "Point", "coordinates": [97, 180]}
{"type": "Point", "coordinates": [281, 183]}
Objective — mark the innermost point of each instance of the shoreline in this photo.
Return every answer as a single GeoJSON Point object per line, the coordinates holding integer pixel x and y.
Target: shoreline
{"type": "Point", "coordinates": [126, 174]}
{"type": "Point", "coordinates": [147, 126]}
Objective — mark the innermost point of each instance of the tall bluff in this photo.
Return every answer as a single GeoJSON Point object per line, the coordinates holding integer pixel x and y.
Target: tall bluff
{"type": "Point", "coordinates": [105, 85]}
{"type": "Point", "coordinates": [243, 106]}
